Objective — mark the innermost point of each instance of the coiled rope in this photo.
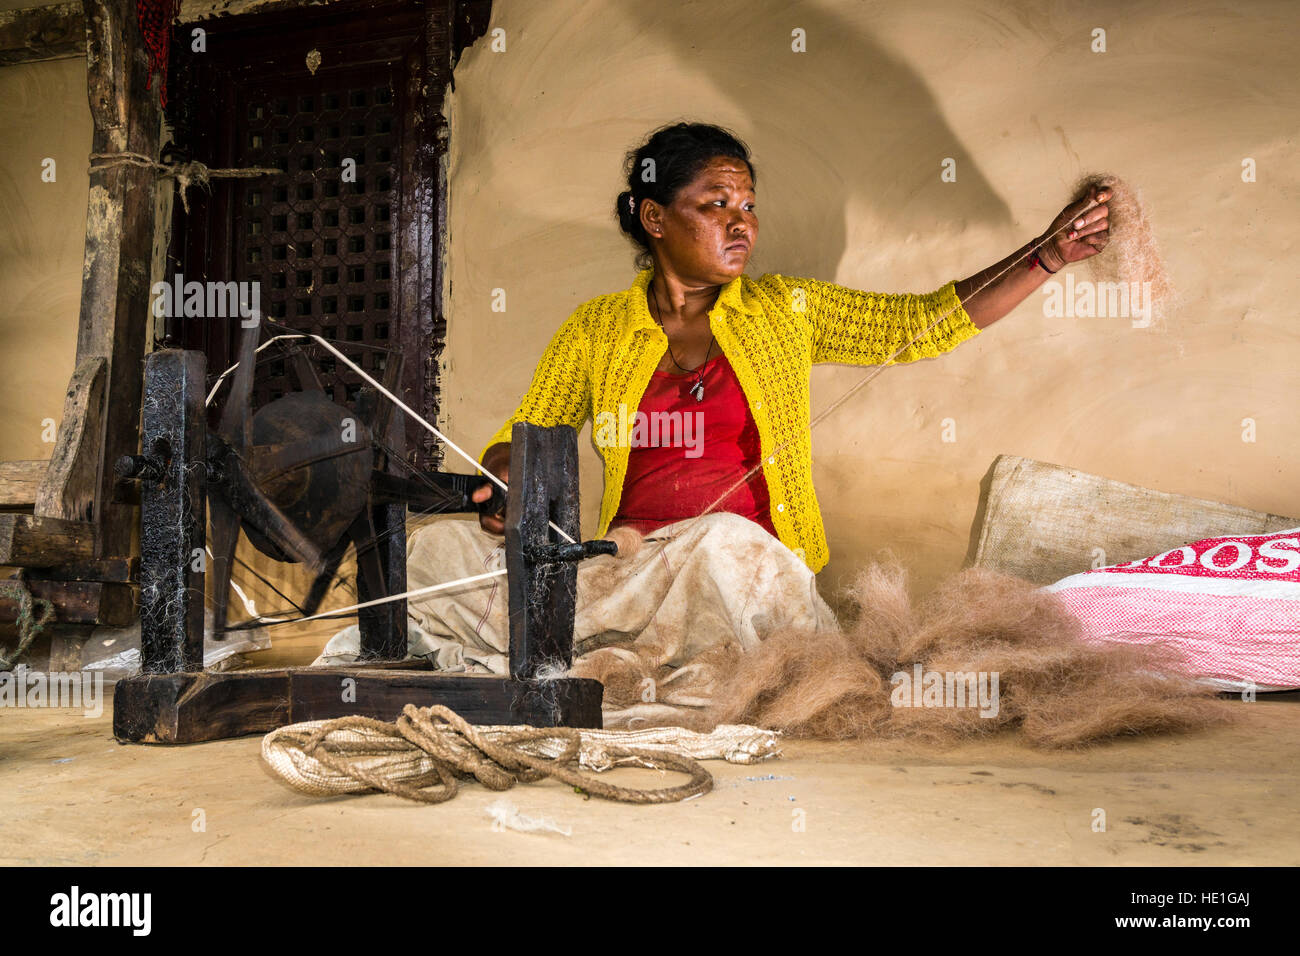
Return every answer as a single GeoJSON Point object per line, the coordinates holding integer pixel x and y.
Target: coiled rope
{"type": "Point", "coordinates": [33, 614]}
{"type": "Point", "coordinates": [426, 752]}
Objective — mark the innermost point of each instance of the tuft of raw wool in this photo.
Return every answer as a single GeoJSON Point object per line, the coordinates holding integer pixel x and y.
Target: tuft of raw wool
{"type": "Point", "coordinates": [1132, 254]}
{"type": "Point", "coordinates": [629, 541]}
{"type": "Point", "coordinates": [643, 690]}
{"type": "Point", "coordinates": [624, 672]}
{"type": "Point", "coordinates": [1054, 689]}
{"type": "Point", "coordinates": [506, 816]}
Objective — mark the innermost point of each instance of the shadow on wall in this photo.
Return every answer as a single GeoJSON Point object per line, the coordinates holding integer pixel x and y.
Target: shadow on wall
{"type": "Point", "coordinates": [848, 128]}
{"type": "Point", "coordinates": [846, 125]}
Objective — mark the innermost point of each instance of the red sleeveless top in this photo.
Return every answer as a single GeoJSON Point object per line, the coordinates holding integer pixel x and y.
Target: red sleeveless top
{"type": "Point", "coordinates": [684, 453]}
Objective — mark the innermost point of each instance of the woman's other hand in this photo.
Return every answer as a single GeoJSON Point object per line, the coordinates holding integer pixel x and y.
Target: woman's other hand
{"type": "Point", "coordinates": [1079, 232]}
{"type": "Point", "coordinates": [497, 461]}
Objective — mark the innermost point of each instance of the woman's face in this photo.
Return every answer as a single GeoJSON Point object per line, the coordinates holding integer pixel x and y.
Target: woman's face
{"type": "Point", "coordinates": [708, 232]}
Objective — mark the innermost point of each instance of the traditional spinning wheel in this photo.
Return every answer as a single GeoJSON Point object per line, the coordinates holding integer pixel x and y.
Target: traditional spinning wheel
{"type": "Point", "coordinates": [305, 479]}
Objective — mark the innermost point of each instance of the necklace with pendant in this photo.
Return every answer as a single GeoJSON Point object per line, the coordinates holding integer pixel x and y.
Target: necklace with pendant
{"type": "Point", "coordinates": [697, 384]}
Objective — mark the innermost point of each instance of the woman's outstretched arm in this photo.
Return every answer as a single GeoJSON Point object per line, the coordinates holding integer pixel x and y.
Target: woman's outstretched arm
{"type": "Point", "coordinates": [1086, 235]}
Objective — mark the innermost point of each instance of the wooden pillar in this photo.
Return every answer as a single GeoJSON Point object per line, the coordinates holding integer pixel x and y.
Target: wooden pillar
{"type": "Point", "coordinates": [384, 626]}
{"type": "Point", "coordinates": [114, 319]}
{"type": "Point", "coordinates": [543, 593]}
{"type": "Point", "coordinates": [172, 499]}
{"type": "Point", "coordinates": [80, 535]}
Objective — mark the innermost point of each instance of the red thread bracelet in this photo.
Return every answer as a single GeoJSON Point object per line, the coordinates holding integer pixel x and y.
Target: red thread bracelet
{"type": "Point", "coordinates": [1034, 260]}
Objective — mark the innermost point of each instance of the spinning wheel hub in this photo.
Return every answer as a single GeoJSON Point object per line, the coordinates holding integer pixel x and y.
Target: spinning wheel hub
{"type": "Point", "coordinates": [313, 460]}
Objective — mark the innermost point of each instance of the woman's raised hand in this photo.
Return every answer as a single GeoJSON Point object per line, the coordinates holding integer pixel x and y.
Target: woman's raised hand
{"type": "Point", "coordinates": [1079, 232]}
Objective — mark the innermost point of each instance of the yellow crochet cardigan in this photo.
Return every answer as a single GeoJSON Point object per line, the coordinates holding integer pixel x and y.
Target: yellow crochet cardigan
{"type": "Point", "coordinates": [772, 330]}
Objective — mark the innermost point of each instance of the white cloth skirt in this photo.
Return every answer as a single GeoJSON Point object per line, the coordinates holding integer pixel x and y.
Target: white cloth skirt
{"type": "Point", "coordinates": [718, 582]}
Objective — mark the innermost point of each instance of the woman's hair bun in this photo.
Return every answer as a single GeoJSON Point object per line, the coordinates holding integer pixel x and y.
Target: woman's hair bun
{"type": "Point", "coordinates": [624, 208]}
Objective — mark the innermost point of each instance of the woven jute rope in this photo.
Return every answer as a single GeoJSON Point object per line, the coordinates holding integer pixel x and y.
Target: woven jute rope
{"type": "Point", "coordinates": [33, 614]}
{"type": "Point", "coordinates": [425, 753]}
{"type": "Point", "coordinates": [185, 174]}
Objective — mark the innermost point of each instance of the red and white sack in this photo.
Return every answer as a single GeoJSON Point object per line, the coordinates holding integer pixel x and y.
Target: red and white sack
{"type": "Point", "coordinates": [1230, 605]}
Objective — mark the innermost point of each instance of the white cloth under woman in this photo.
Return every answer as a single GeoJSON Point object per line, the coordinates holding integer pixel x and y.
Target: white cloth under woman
{"type": "Point", "coordinates": [716, 581]}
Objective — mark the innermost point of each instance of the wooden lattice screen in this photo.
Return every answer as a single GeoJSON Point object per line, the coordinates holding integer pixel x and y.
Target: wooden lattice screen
{"type": "Point", "coordinates": [320, 245]}
{"type": "Point", "coordinates": [303, 90]}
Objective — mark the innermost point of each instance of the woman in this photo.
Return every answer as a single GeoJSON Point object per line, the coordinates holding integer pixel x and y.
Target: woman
{"type": "Point", "coordinates": [721, 363]}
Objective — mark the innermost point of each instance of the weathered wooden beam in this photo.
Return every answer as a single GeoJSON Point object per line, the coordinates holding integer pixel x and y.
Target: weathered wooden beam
{"type": "Point", "coordinates": [114, 319]}
{"type": "Point", "coordinates": [384, 626]}
{"type": "Point", "coordinates": [542, 595]}
{"type": "Point", "coordinates": [109, 570]}
{"type": "Point", "coordinates": [32, 34]}
{"type": "Point", "coordinates": [19, 481]}
{"type": "Point", "coordinates": [189, 708]}
{"type": "Point", "coordinates": [87, 603]}
{"type": "Point", "coordinates": [469, 21]}
{"type": "Point", "coordinates": [172, 508]}
{"type": "Point", "coordinates": [31, 541]}
{"type": "Point", "coordinates": [58, 31]}
{"type": "Point", "coordinates": [68, 487]}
